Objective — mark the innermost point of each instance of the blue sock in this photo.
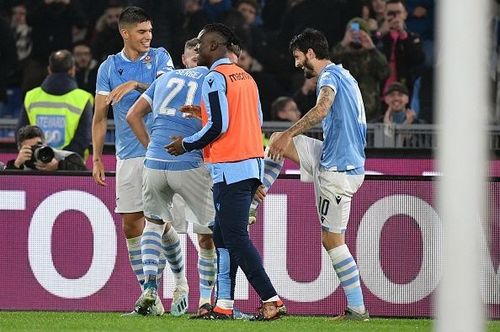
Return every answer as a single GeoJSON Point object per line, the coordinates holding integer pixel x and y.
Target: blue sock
{"type": "Point", "coordinates": [272, 170]}
{"type": "Point", "coordinates": [348, 274]}
{"type": "Point", "coordinates": [135, 258]}
{"type": "Point", "coordinates": [224, 297]}
{"type": "Point", "coordinates": [207, 269]}
{"type": "Point", "coordinates": [151, 249]}
{"type": "Point", "coordinates": [173, 254]}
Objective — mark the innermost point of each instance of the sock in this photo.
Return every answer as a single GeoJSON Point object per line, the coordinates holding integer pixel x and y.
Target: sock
{"type": "Point", "coordinates": [135, 258]}
{"type": "Point", "coordinates": [161, 266]}
{"type": "Point", "coordinates": [174, 256]}
{"type": "Point", "coordinates": [224, 298]}
{"type": "Point", "coordinates": [151, 249]}
{"type": "Point", "coordinates": [348, 274]}
{"type": "Point", "coordinates": [271, 171]}
{"type": "Point", "coordinates": [206, 269]}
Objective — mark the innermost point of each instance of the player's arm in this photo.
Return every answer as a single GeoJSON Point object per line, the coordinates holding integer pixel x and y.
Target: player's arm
{"type": "Point", "coordinates": [121, 90]}
{"type": "Point", "coordinates": [214, 96]}
{"type": "Point", "coordinates": [99, 127]}
{"type": "Point", "coordinates": [315, 114]}
{"type": "Point", "coordinates": [279, 146]}
{"type": "Point", "coordinates": [135, 118]}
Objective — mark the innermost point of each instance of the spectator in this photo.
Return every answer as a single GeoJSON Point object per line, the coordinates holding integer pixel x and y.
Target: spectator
{"type": "Point", "coordinates": [215, 9]}
{"type": "Point", "coordinates": [374, 14]}
{"type": "Point", "coordinates": [357, 53]}
{"type": "Point", "coordinates": [396, 98]}
{"type": "Point", "coordinates": [22, 31]}
{"type": "Point", "coordinates": [402, 48]}
{"type": "Point", "coordinates": [34, 154]}
{"type": "Point", "coordinates": [305, 96]}
{"type": "Point", "coordinates": [63, 111]}
{"type": "Point", "coordinates": [8, 60]}
{"type": "Point", "coordinates": [86, 67]}
{"type": "Point", "coordinates": [108, 40]}
{"type": "Point", "coordinates": [421, 21]}
{"type": "Point", "coordinates": [269, 88]}
{"type": "Point", "coordinates": [52, 23]}
{"type": "Point", "coordinates": [285, 109]}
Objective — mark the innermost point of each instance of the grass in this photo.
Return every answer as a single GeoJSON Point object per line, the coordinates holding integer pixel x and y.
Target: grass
{"type": "Point", "coordinates": [87, 321]}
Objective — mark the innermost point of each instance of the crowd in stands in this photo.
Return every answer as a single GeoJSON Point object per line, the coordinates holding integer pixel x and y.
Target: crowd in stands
{"type": "Point", "coordinates": [379, 41]}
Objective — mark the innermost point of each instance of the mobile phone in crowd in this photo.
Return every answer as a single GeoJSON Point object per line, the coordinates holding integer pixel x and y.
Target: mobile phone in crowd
{"type": "Point", "coordinates": [355, 36]}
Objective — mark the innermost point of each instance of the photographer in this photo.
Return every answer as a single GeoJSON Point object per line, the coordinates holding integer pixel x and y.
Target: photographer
{"type": "Point", "coordinates": [34, 154]}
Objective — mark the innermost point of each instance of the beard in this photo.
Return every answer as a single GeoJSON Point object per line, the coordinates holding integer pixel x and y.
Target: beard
{"type": "Point", "coordinates": [308, 69]}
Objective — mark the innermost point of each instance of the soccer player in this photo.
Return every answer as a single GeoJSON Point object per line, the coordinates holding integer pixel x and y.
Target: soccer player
{"type": "Point", "coordinates": [119, 80]}
{"type": "Point", "coordinates": [233, 135]}
{"type": "Point", "coordinates": [164, 175]}
{"type": "Point", "coordinates": [336, 165]}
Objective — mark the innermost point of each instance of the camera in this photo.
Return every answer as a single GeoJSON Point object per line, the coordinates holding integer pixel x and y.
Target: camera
{"type": "Point", "coordinates": [42, 153]}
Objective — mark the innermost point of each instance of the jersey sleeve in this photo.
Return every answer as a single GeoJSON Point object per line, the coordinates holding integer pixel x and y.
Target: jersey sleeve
{"type": "Point", "coordinates": [148, 95]}
{"type": "Point", "coordinates": [328, 79]}
{"type": "Point", "coordinates": [164, 62]}
{"type": "Point", "coordinates": [103, 84]}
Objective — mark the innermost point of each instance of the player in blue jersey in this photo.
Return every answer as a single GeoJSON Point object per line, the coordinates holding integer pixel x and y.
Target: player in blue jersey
{"type": "Point", "coordinates": [336, 165]}
{"type": "Point", "coordinates": [166, 176]}
{"type": "Point", "coordinates": [119, 80]}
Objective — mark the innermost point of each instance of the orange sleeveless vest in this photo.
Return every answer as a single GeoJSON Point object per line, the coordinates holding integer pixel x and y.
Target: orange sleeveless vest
{"type": "Point", "coordinates": [243, 138]}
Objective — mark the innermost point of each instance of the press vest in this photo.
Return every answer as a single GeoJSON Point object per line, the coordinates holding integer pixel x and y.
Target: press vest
{"type": "Point", "coordinates": [58, 116]}
{"type": "Point", "coordinates": [243, 138]}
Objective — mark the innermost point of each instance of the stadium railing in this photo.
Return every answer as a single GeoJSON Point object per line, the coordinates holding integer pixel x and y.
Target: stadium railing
{"type": "Point", "coordinates": [379, 135]}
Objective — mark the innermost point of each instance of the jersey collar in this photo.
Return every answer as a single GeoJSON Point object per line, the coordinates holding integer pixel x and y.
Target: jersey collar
{"type": "Point", "coordinates": [221, 61]}
{"type": "Point", "coordinates": [124, 57]}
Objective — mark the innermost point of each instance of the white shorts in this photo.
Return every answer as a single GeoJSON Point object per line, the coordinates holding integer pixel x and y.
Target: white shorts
{"type": "Point", "coordinates": [180, 197]}
{"type": "Point", "coordinates": [333, 190]}
{"type": "Point", "coordinates": [129, 185]}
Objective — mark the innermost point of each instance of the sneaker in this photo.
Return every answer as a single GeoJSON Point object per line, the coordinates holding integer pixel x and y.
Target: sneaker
{"type": "Point", "coordinates": [237, 314]}
{"type": "Point", "coordinates": [146, 300]}
{"type": "Point", "coordinates": [269, 311]}
{"type": "Point", "coordinates": [282, 308]}
{"type": "Point", "coordinates": [218, 314]}
{"type": "Point", "coordinates": [350, 314]}
{"type": "Point", "coordinates": [180, 302]}
{"type": "Point", "coordinates": [203, 310]}
{"type": "Point", "coordinates": [157, 308]}
{"type": "Point", "coordinates": [252, 216]}
{"type": "Point", "coordinates": [133, 313]}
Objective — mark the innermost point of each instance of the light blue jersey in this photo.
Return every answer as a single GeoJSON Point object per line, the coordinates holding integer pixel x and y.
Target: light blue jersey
{"type": "Point", "coordinates": [344, 128]}
{"type": "Point", "coordinates": [118, 69]}
{"type": "Point", "coordinates": [166, 96]}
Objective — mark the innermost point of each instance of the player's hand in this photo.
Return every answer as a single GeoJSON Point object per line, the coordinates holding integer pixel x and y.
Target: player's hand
{"type": "Point", "coordinates": [47, 167]}
{"type": "Point", "coordinates": [279, 145]}
{"type": "Point", "coordinates": [23, 156]}
{"type": "Point", "coordinates": [175, 147]}
{"type": "Point", "coordinates": [98, 173]}
{"type": "Point", "coordinates": [260, 194]}
{"type": "Point", "coordinates": [191, 111]}
{"type": "Point", "coordinates": [121, 90]}
{"type": "Point", "coordinates": [366, 40]}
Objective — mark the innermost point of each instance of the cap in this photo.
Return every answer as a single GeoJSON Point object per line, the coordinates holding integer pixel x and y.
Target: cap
{"type": "Point", "coordinates": [397, 86]}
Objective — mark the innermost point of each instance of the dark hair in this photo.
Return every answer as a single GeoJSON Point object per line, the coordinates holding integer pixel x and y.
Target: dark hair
{"type": "Point", "coordinates": [252, 3]}
{"type": "Point", "coordinates": [311, 39]}
{"type": "Point", "coordinates": [81, 43]}
{"type": "Point", "coordinates": [224, 31]}
{"type": "Point", "coordinates": [133, 15]}
{"type": "Point", "coordinates": [277, 105]}
{"type": "Point", "coordinates": [395, 1]}
{"type": "Point", "coordinates": [61, 61]}
{"type": "Point", "coordinates": [191, 43]}
{"type": "Point", "coordinates": [28, 132]}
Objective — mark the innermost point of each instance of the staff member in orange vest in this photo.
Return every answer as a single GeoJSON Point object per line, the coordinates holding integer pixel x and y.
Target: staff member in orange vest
{"type": "Point", "coordinates": [232, 133]}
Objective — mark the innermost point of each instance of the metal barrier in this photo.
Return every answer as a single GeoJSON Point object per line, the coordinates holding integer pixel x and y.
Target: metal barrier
{"type": "Point", "coordinates": [379, 135]}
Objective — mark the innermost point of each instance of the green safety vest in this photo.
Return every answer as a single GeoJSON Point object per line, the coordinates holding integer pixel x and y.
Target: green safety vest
{"type": "Point", "coordinates": [58, 116]}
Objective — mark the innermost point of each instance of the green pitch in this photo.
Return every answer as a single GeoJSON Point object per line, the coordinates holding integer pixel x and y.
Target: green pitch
{"type": "Point", "coordinates": [85, 321]}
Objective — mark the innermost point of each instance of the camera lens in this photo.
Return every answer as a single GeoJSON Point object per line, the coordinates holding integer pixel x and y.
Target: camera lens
{"type": "Point", "coordinates": [44, 154]}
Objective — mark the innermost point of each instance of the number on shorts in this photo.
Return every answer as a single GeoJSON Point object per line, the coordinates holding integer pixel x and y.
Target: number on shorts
{"type": "Point", "coordinates": [176, 84]}
{"type": "Point", "coordinates": [324, 204]}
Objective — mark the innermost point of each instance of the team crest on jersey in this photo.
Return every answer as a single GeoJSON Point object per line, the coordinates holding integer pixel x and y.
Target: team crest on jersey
{"type": "Point", "coordinates": [147, 61]}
